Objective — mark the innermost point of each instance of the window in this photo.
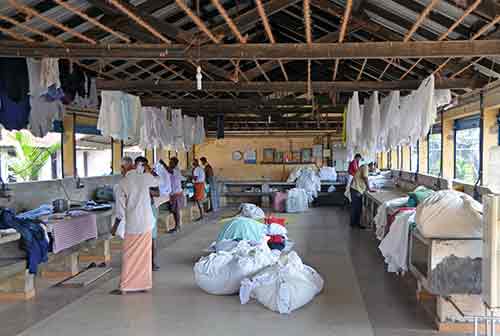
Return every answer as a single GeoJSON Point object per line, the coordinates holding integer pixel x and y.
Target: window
{"type": "Point", "coordinates": [93, 155]}
{"type": "Point", "coordinates": [467, 149]}
{"type": "Point", "coordinates": [24, 157]}
{"type": "Point", "coordinates": [414, 156]}
{"type": "Point", "coordinates": [434, 153]}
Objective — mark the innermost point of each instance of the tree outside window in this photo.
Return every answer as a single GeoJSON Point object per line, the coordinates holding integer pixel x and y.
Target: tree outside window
{"type": "Point", "coordinates": [467, 154]}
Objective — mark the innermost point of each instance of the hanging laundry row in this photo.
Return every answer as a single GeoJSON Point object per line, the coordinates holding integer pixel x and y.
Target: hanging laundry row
{"type": "Point", "coordinates": [120, 115]}
{"type": "Point", "coordinates": [171, 130]}
{"type": "Point", "coordinates": [376, 127]}
{"type": "Point", "coordinates": [33, 92]}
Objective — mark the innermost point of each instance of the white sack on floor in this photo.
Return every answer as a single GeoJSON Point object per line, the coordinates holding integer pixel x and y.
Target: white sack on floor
{"type": "Point", "coordinates": [327, 174]}
{"type": "Point", "coordinates": [310, 182]}
{"type": "Point", "coordinates": [450, 213]}
{"type": "Point", "coordinates": [221, 273]}
{"type": "Point", "coordinates": [394, 246]}
{"type": "Point", "coordinates": [382, 213]}
{"type": "Point", "coordinates": [296, 200]}
{"type": "Point", "coordinates": [283, 287]}
{"type": "Point", "coordinates": [251, 211]}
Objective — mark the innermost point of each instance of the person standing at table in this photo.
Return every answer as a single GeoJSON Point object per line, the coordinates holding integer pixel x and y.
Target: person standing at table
{"type": "Point", "coordinates": [212, 182]}
{"type": "Point", "coordinates": [199, 185]}
{"type": "Point", "coordinates": [359, 186]}
{"type": "Point", "coordinates": [176, 195]}
{"type": "Point", "coordinates": [134, 203]}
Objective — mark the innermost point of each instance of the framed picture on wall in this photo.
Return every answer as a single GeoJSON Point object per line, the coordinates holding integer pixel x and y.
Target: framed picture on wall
{"type": "Point", "coordinates": [317, 152]}
{"type": "Point", "coordinates": [306, 155]}
{"type": "Point", "coordinates": [295, 156]}
{"type": "Point", "coordinates": [250, 156]}
{"type": "Point", "coordinates": [279, 156]}
{"type": "Point", "coordinates": [268, 155]}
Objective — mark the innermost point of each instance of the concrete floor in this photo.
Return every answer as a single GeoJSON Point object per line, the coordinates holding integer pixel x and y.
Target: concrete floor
{"type": "Point", "coordinates": [359, 298]}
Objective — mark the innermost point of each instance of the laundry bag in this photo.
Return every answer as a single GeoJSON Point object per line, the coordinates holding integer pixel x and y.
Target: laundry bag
{"type": "Point", "coordinates": [251, 211]}
{"type": "Point", "coordinates": [297, 200]}
{"type": "Point", "coordinates": [450, 213]}
{"type": "Point", "coordinates": [279, 201]}
{"type": "Point", "coordinates": [242, 228]}
{"type": "Point", "coordinates": [221, 273]}
{"type": "Point", "coordinates": [283, 287]}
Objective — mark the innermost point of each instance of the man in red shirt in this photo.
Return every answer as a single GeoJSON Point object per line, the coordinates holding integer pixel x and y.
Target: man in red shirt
{"type": "Point", "coordinates": [354, 165]}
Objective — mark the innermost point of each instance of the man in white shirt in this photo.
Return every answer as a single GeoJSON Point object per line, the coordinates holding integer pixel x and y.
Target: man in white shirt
{"type": "Point", "coordinates": [134, 203]}
{"type": "Point", "coordinates": [176, 195]}
{"type": "Point", "coordinates": [199, 185]}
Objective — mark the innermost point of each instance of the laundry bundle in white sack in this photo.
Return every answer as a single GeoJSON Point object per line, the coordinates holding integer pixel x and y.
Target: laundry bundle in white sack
{"type": "Point", "coordinates": [251, 211]}
{"type": "Point", "coordinates": [284, 286]}
{"type": "Point", "coordinates": [450, 213]}
{"type": "Point", "coordinates": [297, 200]}
{"type": "Point", "coordinates": [221, 273]}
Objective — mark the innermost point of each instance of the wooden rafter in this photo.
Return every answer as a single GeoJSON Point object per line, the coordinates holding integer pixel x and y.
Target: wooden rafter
{"type": "Point", "coordinates": [307, 20]}
{"type": "Point", "coordinates": [136, 18]}
{"type": "Point", "coordinates": [31, 12]}
{"type": "Point", "coordinates": [444, 36]}
{"type": "Point", "coordinates": [343, 28]}
{"type": "Point", "coordinates": [413, 29]}
{"type": "Point", "coordinates": [360, 74]}
{"type": "Point", "coordinates": [15, 35]}
{"type": "Point", "coordinates": [92, 20]}
{"type": "Point", "coordinates": [477, 35]}
{"type": "Point", "coordinates": [269, 32]}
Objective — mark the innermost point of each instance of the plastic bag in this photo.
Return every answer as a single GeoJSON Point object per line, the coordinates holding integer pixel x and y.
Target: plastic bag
{"type": "Point", "coordinates": [297, 200]}
{"type": "Point", "coordinates": [221, 273]}
{"type": "Point", "coordinates": [310, 182]}
{"type": "Point", "coordinates": [283, 287]}
{"type": "Point", "coordinates": [242, 228]}
{"type": "Point", "coordinates": [328, 174]}
{"type": "Point", "coordinates": [251, 211]}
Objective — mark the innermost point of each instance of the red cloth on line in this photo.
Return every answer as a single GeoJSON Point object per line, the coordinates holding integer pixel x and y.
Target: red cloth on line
{"type": "Point", "coordinates": [353, 167]}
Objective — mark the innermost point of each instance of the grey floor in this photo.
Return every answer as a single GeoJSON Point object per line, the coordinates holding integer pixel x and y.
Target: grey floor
{"type": "Point", "coordinates": [359, 298]}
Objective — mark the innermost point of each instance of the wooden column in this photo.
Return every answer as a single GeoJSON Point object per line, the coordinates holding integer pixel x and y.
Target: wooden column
{"type": "Point", "coordinates": [162, 154]}
{"type": "Point", "coordinates": [448, 148]}
{"type": "Point", "coordinates": [68, 146]}
{"type": "Point", "coordinates": [117, 150]}
{"type": "Point", "coordinates": [422, 156]}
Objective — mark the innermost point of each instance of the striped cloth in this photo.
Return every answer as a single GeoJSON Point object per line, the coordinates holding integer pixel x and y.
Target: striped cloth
{"type": "Point", "coordinates": [72, 231]}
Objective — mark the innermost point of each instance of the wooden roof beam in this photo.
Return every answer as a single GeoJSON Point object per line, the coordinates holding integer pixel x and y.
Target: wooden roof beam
{"type": "Point", "coordinates": [265, 21]}
{"type": "Point", "coordinates": [290, 51]}
{"type": "Point", "coordinates": [343, 28]}
{"type": "Point", "coordinates": [189, 86]}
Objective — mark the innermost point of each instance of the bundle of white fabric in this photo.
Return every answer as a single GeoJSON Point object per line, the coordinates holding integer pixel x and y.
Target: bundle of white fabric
{"type": "Point", "coordinates": [383, 211]}
{"type": "Point", "coordinates": [221, 273]}
{"type": "Point", "coordinates": [283, 287]}
{"type": "Point", "coordinates": [328, 174]}
{"type": "Point", "coordinates": [310, 182]}
{"type": "Point", "coordinates": [297, 200]}
{"type": "Point", "coordinates": [450, 213]}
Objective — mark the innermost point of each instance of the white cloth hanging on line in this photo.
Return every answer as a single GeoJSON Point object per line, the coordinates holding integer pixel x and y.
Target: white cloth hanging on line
{"type": "Point", "coordinates": [156, 130]}
{"type": "Point", "coordinates": [120, 115]}
{"type": "Point", "coordinates": [49, 74]}
{"type": "Point", "coordinates": [189, 125]}
{"type": "Point", "coordinates": [43, 112]}
{"type": "Point", "coordinates": [425, 97]}
{"type": "Point", "coordinates": [371, 125]}
{"type": "Point", "coordinates": [199, 134]}
{"type": "Point", "coordinates": [442, 97]}
{"type": "Point", "coordinates": [354, 123]}
{"type": "Point", "coordinates": [177, 130]}
{"type": "Point", "coordinates": [393, 120]}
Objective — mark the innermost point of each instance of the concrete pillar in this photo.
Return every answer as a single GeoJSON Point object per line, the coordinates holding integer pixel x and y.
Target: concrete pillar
{"type": "Point", "coordinates": [18, 286]}
{"type": "Point", "coordinates": [60, 266]}
{"type": "Point", "coordinates": [68, 146]}
{"type": "Point", "coordinates": [490, 139]}
{"type": "Point", "coordinates": [448, 148]}
{"type": "Point", "coordinates": [101, 252]}
{"type": "Point", "coordinates": [406, 158]}
{"type": "Point", "coordinates": [149, 156]}
{"type": "Point", "coordinates": [117, 150]}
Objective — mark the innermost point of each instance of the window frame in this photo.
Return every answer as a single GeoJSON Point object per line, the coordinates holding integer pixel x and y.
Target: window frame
{"type": "Point", "coordinates": [460, 125]}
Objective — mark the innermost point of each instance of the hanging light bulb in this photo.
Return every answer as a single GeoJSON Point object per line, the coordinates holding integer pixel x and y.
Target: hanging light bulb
{"type": "Point", "coordinates": [199, 76]}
